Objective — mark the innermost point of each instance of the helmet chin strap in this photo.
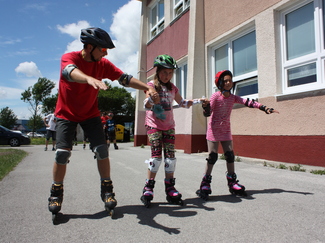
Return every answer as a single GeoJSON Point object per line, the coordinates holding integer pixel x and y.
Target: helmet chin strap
{"type": "Point", "coordinates": [91, 54]}
{"type": "Point", "coordinates": [226, 91]}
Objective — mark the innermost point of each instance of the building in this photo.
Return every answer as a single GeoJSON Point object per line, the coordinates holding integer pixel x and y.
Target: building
{"type": "Point", "coordinates": [275, 49]}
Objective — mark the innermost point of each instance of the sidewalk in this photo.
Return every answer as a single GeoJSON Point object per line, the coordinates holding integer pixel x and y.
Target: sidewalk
{"type": "Point", "coordinates": [282, 206]}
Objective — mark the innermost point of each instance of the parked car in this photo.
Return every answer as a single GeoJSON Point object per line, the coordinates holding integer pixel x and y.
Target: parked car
{"type": "Point", "coordinates": [8, 137]}
{"type": "Point", "coordinates": [36, 135]}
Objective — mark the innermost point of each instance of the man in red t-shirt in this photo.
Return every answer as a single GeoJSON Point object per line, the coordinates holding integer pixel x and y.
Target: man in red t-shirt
{"type": "Point", "coordinates": [80, 81]}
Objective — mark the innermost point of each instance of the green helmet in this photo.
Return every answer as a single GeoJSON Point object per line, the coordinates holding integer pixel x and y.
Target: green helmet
{"type": "Point", "coordinates": [165, 61]}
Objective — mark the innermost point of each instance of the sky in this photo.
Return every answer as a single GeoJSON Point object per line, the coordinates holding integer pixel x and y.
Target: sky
{"type": "Point", "coordinates": [35, 33]}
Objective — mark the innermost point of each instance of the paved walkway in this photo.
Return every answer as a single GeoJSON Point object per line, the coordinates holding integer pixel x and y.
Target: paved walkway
{"type": "Point", "coordinates": [282, 206]}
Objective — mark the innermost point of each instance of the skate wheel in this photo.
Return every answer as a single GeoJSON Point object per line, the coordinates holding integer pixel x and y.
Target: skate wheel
{"type": "Point", "coordinates": [181, 202]}
{"type": "Point", "coordinates": [110, 212]}
{"type": "Point", "coordinates": [202, 195]}
{"type": "Point", "coordinates": [145, 202]}
{"type": "Point", "coordinates": [54, 218]}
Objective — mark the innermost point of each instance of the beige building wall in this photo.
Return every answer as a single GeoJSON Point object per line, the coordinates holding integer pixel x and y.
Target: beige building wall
{"type": "Point", "coordinates": [300, 125]}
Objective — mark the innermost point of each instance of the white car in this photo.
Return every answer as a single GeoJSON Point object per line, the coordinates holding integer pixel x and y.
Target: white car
{"type": "Point", "coordinates": [35, 135]}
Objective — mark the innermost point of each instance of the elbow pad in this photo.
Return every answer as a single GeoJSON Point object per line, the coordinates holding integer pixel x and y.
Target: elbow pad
{"type": "Point", "coordinates": [125, 79]}
{"type": "Point", "coordinates": [249, 103]}
{"type": "Point", "coordinates": [67, 71]}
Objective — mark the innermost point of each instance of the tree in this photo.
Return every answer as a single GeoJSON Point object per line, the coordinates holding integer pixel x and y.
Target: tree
{"type": "Point", "coordinates": [118, 100]}
{"type": "Point", "coordinates": [35, 96]}
{"type": "Point", "coordinates": [35, 122]}
{"type": "Point", "coordinates": [7, 117]}
{"type": "Point", "coordinates": [49, 104]}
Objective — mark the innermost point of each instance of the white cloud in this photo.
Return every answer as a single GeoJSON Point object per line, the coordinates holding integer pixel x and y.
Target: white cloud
{"type": "Point", "coordinates": [30, 69]}
{"type": "Point", "coordinates": [126, 30]}
{"type": "Point", "coordinates": [7, 93]}
{"type": "Point", "coordinates": [74, 28]}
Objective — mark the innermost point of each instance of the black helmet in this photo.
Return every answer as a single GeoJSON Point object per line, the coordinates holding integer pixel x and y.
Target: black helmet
{"type": "Point", "coordinates": [165, 61]}
{"type": "Point", "coordinates": [96, 37]}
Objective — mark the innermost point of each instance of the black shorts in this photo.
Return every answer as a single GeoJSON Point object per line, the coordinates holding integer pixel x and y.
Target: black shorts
{"type": "Point", "coordinates": [111, 135]}
{"type": "Point", "coordinates": [50, 134]}
{"type": "Point", "coordinates": [65, 132]}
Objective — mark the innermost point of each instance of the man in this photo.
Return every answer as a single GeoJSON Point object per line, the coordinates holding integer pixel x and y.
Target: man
{"type": "Point", "coordinates": [80, 81]}
{"type": "Point", "coordinates": [50, 123]}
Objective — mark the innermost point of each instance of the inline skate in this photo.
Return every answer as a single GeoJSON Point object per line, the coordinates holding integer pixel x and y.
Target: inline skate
{"type": "Point", "coordinates": [147, 195]}
{"type": "Point", "coordinates": [234, 187]}
{"type": "Point", "coordinates": [205, 188]}
{"type": "Point", "coordinates": [107, 196]}
{"type": "Point", "coordinates": [55, 201]}
{"type": "Point", "coordinates": [173, 196]}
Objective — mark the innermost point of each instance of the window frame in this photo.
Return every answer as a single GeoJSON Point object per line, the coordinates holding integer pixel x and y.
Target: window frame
{"type": "Point", "coordinates": [179, 6]}
{"type": "Point", "coordinates": [240, 79]}
{"type": "Point", "coordinates": [181, 84]}
{"type": "Point", "coordinates": [318, 56]}
{"type": "Point", "coordinates": [159, 26]}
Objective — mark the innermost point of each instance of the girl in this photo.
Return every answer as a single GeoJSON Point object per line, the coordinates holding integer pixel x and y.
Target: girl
{"type": "Point", "coordinates": [160, 126]}
{"type": "Point", "coordinates": [220, 107]}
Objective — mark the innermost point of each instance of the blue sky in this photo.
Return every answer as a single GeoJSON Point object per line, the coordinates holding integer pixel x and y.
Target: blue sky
{"type": "Point", "coordinates": [35, 34]}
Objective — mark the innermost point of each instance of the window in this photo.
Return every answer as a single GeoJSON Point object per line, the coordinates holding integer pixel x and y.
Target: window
{"type": "Point", "coordinates": [157, 18]}
{"type": "Point", "coordinates": [303, 50]}
{"type": "Point", "coordinates": [238, 54]}
{"type": "Point", "coordinates": [180, 6]}
{"type": "Point", "coordinates": [181, 79]}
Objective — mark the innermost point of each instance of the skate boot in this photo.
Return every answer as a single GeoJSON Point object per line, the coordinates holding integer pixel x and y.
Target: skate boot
{"type": "Point", "coordinates": [147, 195]}
{"type": "Point", "coordinates": [205, 188]}
{"type": "Point", "coordinates": [107, 196]}
{"type": "Point", "coordinates": [55, 200]}
{"type": "Point", "coordinates": [234, 187]}
{"type": "Point", "coordinates": [173, 196]}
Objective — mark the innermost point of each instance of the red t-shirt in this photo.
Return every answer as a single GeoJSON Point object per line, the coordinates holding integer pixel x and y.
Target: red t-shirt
{"type": "Point", "coordinates": [104, 119]}
{"type": "Point", "coordinates": [78, 101]}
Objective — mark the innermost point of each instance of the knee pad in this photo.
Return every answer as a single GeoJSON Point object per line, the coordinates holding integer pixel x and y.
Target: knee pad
{"type": "Point", "coordinates": [153, 164]}
{"type": "Point", "coordinates": [230, 157]}
{"type": "Point", "coordinates": [213, 157]}
{"type": "Point", "coordinates": [101, 151]}
{"type": "Point", "coordinates": [62, 156]}
{"type": "Point", "coordinates": [170, 164]}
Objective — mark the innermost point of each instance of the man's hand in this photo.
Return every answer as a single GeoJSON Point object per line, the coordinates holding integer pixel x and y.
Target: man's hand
{"type": "Point", "coordinates": [97, 84]}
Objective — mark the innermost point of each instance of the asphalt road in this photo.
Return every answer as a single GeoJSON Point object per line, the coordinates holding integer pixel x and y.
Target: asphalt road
{"type": "Point", "coordinates": [282, 206]}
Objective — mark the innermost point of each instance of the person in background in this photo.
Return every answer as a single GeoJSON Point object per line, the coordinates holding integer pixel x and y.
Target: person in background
{"type": "Point", "coordinates": [50, 123]}
{"type": "Point", "coordinates": [110, 130]}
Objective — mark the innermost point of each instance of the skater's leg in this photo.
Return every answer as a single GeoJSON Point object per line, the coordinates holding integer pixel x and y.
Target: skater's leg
{"type": "Point", "coordinates": [64, 135]}
{"type": "Point", "coordinates": [59, 172]}
{"type": "Point", "coordinates": [205, 186]}
{"type": "Point", "coordinates": [173, 196]}
{"type": "Point", "coordinates": [234, 186]}
{"type": "Point", "coordinates": [104, 168]}
{"type": "Point", "coordinates": [227, 147]}
{"type": "Point", "coordinates": [213, 156]}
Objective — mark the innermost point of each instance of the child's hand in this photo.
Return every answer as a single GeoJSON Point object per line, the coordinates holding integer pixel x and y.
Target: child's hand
{"type": "Point", "coordinates": [205, 102]}
{"type": "Point", "coordinates": [271, 110]}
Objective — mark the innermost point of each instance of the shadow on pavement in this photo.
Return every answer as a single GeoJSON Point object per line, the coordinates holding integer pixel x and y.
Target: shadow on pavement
{"type": "Point", "coordinates": [146, 215]}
